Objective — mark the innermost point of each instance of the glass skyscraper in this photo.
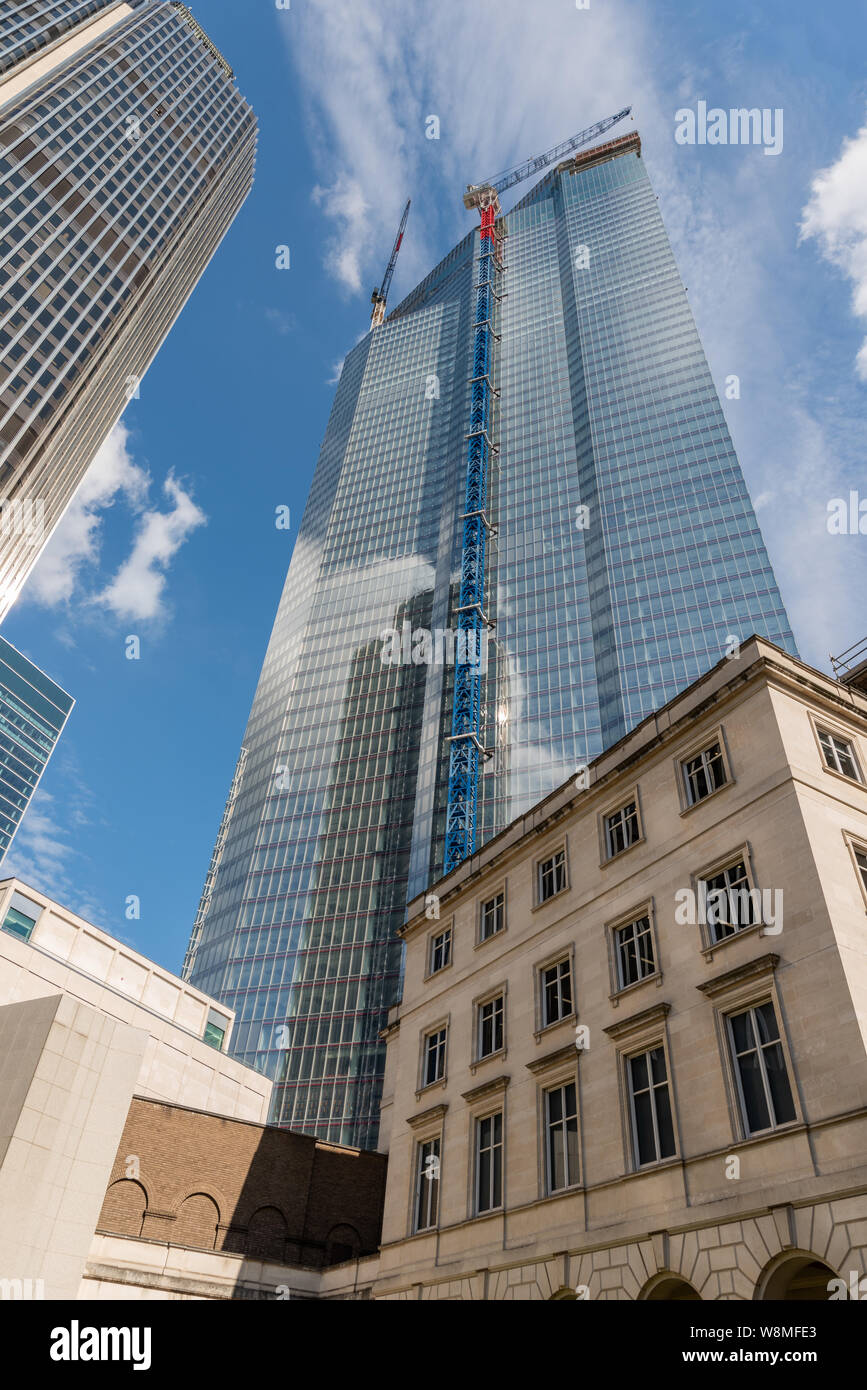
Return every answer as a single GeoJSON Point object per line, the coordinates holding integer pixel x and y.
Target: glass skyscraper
{"type": "Point", "coordinates": [33, 712]}
{"type": "Point", "coordinates": [625, 557]}
{"type": "Point", "coordinates": [126, 151]}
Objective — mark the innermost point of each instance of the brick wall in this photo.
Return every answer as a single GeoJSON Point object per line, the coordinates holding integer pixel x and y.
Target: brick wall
{"type": "Point", "coordinates": [196, 1179]}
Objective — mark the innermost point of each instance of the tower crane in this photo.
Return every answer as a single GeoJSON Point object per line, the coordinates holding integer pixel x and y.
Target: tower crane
{"type": "Point", "coordinates": [466, 747]}
{"type": "Point", "coordinates": [379, 296]}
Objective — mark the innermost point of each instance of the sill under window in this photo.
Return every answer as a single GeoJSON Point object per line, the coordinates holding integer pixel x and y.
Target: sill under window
{"type": "Point", "coordinates": [619, 853]}
{"type": "Point", "coordinates": [499, 1055]}
{"type": "Point", "coordinates": [615, 997]}
{"type": "Point", "coordinates": [694, 805]}
{"type": "Point", "coordinates": [431, 1086]}
{"type": "Point", "coordinates": [844, 776]}
{"type": "Point", "coordinates": [483, 940]}
{"type": "Point", "coordinates": [754, 929]}
{"type": "Point", "coordinates": [537, 907]}
{"type": "Point", "coordinates": [433, 973]}
{"type": "Point", "coordinates": [546, 1028]}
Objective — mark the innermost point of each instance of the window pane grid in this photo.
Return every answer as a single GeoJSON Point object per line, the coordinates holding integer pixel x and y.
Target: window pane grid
{"type": "Point", "coordinates": [766, 1096]}
{"type": "Point", "coordinates": [704, 773]}
{"type": "Point", "coordinates": [427, 1184]}
{"type": "Point", "coordinates": [561, 1136]}
{"type": "Point", "coordinates": [652, 1122]}
{"type": "Point", "coordinates": [635, 959]}
{"type": "Point", "coordinates": [556, 992]}
{"type": "Point", "coordinates": [489, 1162]}
{"type": "Point", "coordinates": [621, 829]}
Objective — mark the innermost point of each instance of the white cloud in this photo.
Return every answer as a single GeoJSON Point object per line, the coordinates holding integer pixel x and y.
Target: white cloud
{"type": "Point", "coordinates": [42, 856]}
{"type": "Point", "coordinates": [138, 587]}
{"type": "Point", "coordinates": [503, 88]}
{"type": "Point", "coordinates": [72, 555]}
{"type": "Point", "coordinates": [76, 542]}
{"type": "Point", "coordinates": [836, 216]}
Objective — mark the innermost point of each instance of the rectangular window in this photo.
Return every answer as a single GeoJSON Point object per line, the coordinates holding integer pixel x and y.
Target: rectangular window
{"type": "Point", "coordinates": [729, 902]}
{"type": "Point", "coordinates": [490, 1034]}
{"type": "Point", "coordinates": [489, 1162]}
{"type": "Point", "coordinates": [765, 1093]}
{"type": "Point", "coordinates": [861, 861]}
{"type": "Point", "coordinates": [561, 1133]}
{"type": "Point", "coordinates": [704, 774]}
{"type": "Point", "coordinates": [493, 916]}
{"type": "Point", "coordinates": [652, 1123]}
{"type": "Point", "coordinates": [18, 924]}
{"type": "Point", "coordinates": [441, 951]}
{"type": "Point", "coordinates": [427, 1184]}
{"type": "Point", "coordinates": [621, 829]}
{"type": "Point", "coordinates": [434, 1057]}
{"type": "Point", "coordinates": [635, 959]}
{"type": "Point", "coordinates": [839, 754]}
{"type": "Point", "coordinates": [556, 992]}
{"type": "Point", "coordinates": [552, 876]}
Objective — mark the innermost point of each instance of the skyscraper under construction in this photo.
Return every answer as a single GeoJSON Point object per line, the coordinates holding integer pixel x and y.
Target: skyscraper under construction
{"type": "Point", "coordinates": [622, 557]}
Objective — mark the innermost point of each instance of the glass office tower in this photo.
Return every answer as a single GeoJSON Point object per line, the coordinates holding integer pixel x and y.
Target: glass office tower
{"type": "Point", "coordinates": [626, 556]}
{"type": "Point", "coordinates": [33, 712]}
{"type": "Point", "coordinates": [126, 151]}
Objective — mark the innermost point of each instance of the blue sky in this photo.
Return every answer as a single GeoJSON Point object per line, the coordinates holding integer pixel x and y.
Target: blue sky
{"type": "Point", "coordinates": [173, 537]}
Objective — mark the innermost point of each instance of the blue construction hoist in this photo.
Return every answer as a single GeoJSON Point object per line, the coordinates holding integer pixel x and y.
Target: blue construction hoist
{"type": "Point", "coordinates": [466, 745]}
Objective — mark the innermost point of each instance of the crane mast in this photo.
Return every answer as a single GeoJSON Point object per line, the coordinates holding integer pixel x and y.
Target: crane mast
{"type": "Point", "coordinates": [466, 749]}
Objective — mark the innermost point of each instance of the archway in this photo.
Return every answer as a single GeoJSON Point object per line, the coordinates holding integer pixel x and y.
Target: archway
{"type": "Point", "coordinates": [266, 1235]}
{"type": "Point", "coordinates": [124, 1208]}
{"type": "Point", "coordinates": [196, 1223]}
{"type": "Point", "coordinates": [669, 1288]}
{"type": "Point", "coordinates": [798, 1276]}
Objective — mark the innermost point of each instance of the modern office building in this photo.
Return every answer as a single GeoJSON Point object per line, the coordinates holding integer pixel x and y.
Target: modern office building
{"type": "Point", "coordinates": [625, 559]}
{"type": "Point", "coordinates": [86, 1024]}
{"type": "Point", "coordinates": [126, 151]}
{"type": "Point", "coordinates": [33, 712]}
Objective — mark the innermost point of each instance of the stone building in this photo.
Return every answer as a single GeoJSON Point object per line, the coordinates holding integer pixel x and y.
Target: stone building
{"type": "Point", "coordinates": [630, 1062]}
{"type": "Point", "coordinates": [134, 1157]}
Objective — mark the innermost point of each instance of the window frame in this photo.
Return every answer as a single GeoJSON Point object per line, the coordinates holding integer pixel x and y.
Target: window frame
{"type": "Point", "coordinates": [828, 729]}
{"type": "Point", "coordinates": [477, 1057]}
{"type": "Point", "coordinates": [492, 1114]}
{"type": "Point", "coordinates": [739, 1011]}
{"type": "Point", "coordinates": [430, 1031]}
{"type": "Point", "coordinates": [647, 909]}
{"type": "Point", "coordinates": [419, 1175]}
{"type": "Point", "coordinates": [633, 1055]}
{"type": "Point", "coordinates": [857, 845]}
{"type": "Point", "coordinates": [697, 748]}
{"type": "Point", "coordinates": [631, 797]}
{"type": "Point", "coordinates": [432, 938]}
{"type": "Point", "coordinates": [483, 902]}
{"type": "Point", "coordinates": [740, 854]}
{"type": "Point", "coordinates": [733, 992]}
{"type": "Point", "coordinates": [571, 1181]}
{"type": "Point", "coordinates": [566, 957]}
{"type": "Point", "coordinates": [550, 855]}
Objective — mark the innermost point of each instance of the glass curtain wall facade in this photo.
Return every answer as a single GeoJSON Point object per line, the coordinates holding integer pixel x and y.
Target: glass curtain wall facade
{"type": "Point", "coordinates": [121, 169]}
{"type": "Point", "coordinates": [626, 556]}
{"type": "Point", "coordinates": [33, 712]}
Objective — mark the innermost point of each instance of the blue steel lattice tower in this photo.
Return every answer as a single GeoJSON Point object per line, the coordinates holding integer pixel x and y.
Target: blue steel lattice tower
{"type": "Point", "coordinates": [622, 553]}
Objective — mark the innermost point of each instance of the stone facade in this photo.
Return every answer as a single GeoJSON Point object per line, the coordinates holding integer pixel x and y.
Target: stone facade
{"type": "Point", "coordinates": [757, 1184]}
